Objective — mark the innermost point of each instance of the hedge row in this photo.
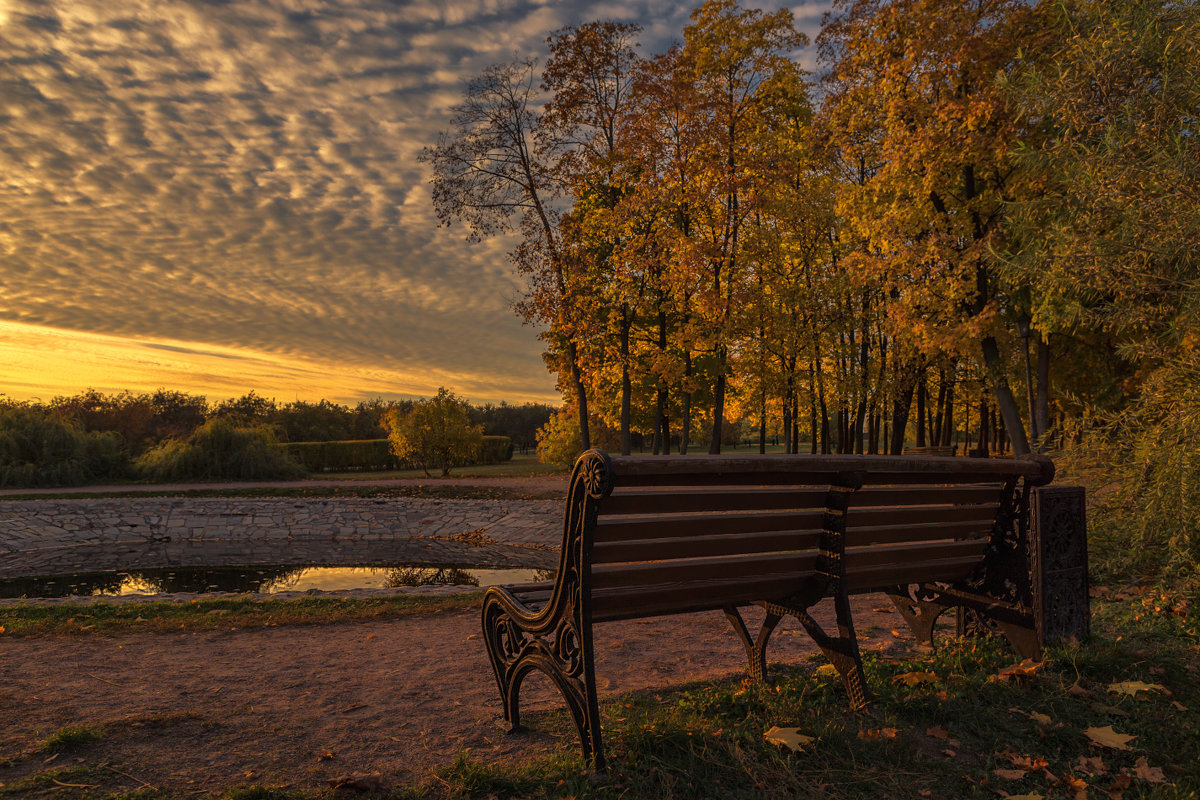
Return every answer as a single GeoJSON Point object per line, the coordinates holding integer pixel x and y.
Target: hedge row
{"type": "Point", "coordinates": [376, 454]}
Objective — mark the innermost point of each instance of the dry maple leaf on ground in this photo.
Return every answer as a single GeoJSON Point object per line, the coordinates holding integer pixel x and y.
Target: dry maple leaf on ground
{"type": "Point", "coordinates": [791, 738]}
{"type": "Point", "coordinates": [1143, 770]}
{"type": "Point", "coordinates": [1107, 737]}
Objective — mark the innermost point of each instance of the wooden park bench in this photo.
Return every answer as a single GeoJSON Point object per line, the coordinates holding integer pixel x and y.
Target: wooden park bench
{"type": "Point", "coordinates": [652, 536]}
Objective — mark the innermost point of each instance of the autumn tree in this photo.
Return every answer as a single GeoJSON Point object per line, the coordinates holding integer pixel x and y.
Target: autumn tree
{"type": "Point", "coordinates": [921, 76]}
{"type": "Point", "coordinates": [495, 170]}
{"type": "Point", "coordinates": [436, 432]}
{"type": "Point", "coordinates": [731, 55]}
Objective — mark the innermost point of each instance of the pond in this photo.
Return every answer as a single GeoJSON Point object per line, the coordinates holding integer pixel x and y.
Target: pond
{"type": "Point", "coordinates": [261, 580]}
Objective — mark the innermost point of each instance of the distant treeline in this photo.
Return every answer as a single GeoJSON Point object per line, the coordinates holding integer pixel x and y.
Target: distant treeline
{"type": "Point", "coordinates": [172, 435]}
{"type": "Point", "coordinates": [142, 421]}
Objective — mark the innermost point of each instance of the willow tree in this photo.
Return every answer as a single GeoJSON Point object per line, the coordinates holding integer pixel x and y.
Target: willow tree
{"type": "Point", "coordinates": [497, 171]}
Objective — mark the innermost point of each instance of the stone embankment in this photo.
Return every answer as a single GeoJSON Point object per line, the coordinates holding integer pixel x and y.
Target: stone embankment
{"type": "Point", "coordinates": [56, 537]}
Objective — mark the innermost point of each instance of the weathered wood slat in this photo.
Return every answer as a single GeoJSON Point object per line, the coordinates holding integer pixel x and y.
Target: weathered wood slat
{"type": "Point", "coordinates": [679, 598]}
{"type": "Point", "coordinates": [719, 545]}
{"type": "Point", "coordinates": [815, 470]}
{"type": "Point", "coordinates": [621, 529]}
{"type": "Point", "coordinates": [858, 559]}
{"type": "Point", "coordinates": [918, 516]}
{"type": "Point", "coordinates": [972, 494]}
{"type": "Point", "coordinates": [688, 570]}
{"type": "Point", "coordinates": [898, 534]}
{"type": "Point", "coordinates": [708, 499]}
{"type": "Point", "coordinates": [885, 575]}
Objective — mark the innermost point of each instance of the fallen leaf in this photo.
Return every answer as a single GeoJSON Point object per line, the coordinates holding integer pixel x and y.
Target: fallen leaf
{"type": "Point", "coordinates": [1107, 737]}
{"type": "Point", "coordinates": [1174, 704]}
{"type": "Point", "coordinates": [877, 735]}
{"type": "Point", "coordinates": [325, 756]}
{"type": "Point", "coordinates": [1077, 785]}
{"type": "Point", "coordinates": [1030, 796]}
{"type": "Point", "coordinates": [1093, 766]}
{"type": "Point", "coordinates": [949, 753]}
{"type": "Point", "coordinates": [883, 610]}
{"type": "Point", "coordinates": [937, 732]}
{"type": "Point", "coordinates": [1011, 774]}
{"type": "Point", "coordinates": [1026, 669]}
{"type": "Point", "coordinates": [896, 633]}
{"type": "Point", "coordinates": [1041, 719]}
{"type": "Point", "coordinates": [1131, 688]}
{"type": "Point", "coordinates": [791, 738]}
{"type": "Point", "coordinates": [916, 678]}
{"type": "Point", "coordinates": [1079, 691]}
{"type": "Point", "coordinates": [1148, 773]}
{"type": "Point", "coordinates": [925, 792]}
{"type": "Point", "coordinates": [827, 671]}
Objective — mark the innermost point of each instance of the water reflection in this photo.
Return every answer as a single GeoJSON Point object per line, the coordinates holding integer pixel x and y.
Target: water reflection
{"type": "Point", "coordinates": [261, 580]}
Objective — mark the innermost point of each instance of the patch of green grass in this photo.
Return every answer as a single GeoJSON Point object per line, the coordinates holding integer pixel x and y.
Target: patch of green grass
{"type": "Point", "coordinates": [224, 614]}
{"type": "Point", "coordinates": [72, 737]}
{"type": "Point", "coordinates": [942, 726]}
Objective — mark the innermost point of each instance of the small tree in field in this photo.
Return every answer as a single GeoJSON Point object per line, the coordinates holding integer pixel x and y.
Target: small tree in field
{"type": "Point", "coordinates": [435, 433]}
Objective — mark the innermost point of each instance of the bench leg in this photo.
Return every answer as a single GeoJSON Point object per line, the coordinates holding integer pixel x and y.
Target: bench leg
{"type": "Point", "coordinates": [561, 654]}
{"type": "Point", "coordinates": [920, 612]}
{"type": "Point", "coordinates": [842, 651]}
{"type": "Point", "coordinates": [756, 648]}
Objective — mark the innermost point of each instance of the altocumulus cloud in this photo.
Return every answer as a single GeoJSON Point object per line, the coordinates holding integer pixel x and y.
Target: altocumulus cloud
{"type": "Point", "coordinates": [244, 175]}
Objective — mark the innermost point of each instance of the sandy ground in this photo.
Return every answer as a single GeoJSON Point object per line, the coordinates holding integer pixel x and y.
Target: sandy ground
{"type": "Point", "coordinates": [194, 714]}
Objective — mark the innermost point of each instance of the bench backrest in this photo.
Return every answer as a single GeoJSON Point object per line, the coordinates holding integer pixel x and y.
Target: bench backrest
{"type": "Point", "coordinates": [673, 534]}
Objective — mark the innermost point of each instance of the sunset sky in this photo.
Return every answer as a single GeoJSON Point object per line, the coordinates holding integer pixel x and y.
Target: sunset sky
{"type": "Point", "coordinates": [221, 197]}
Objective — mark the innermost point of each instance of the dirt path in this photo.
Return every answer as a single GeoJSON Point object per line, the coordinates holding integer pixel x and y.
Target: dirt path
{"type": "Point", "coordinates": [194, 714]}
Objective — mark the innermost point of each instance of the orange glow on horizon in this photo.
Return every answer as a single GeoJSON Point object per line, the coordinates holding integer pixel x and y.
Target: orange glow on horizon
{"type": "Point", "coordinates": [42, 362]}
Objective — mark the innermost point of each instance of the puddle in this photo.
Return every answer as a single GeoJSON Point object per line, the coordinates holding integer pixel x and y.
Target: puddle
{"type": "Point", "coordinates": [261, 580]}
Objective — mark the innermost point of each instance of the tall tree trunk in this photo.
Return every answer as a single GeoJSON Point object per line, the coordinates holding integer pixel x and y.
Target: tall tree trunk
{"type": "Point", "coordinates": [812, 409]}
{"type": "Point", "coordinates": [714, 446]}
{"type": "Point", "coordinates": [685, 430]}
{"type": "Point", "coordinates": [626, 385]}
{"type": "Point", "coordinates": [935, 433]}
{"type": "Point", "coordinates": [762, 420]}
{"type": "Point", "coordinates": [901, 405]}
{"type": "Point", "coordinates": [922, 390]}
{"type": "Point", "coordinates": [949, 435]}
{"type": "Point", "coordinates": [585, 436]}
{"type": "Point", "coordinates": [1043, 385]}
{"type": "Point", "coordinates": [1004, 397]}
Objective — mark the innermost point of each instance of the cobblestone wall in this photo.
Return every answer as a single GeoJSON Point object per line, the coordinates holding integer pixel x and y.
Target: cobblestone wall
{"type": "Point", "coordinates": [49, 537]}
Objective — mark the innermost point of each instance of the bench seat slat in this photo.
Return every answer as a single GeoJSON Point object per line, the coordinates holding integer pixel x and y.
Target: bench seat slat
{"type": "Point", "coordinates": [870, 496]}
{"type": "Point", "coordinates": [715, 545]}
{"type": "Point", "coordinates": [912, 552]}
{"type": "Point", "coordinates": [684, 570]}
{"type": "Point", "coordinates": [885, 575]}
{"type": "Point", "coordinates": [707, 499]}
{"type": "Point", "coordinates": [918, 515]}
{"type": "Point", "coordinates": [623, 529]}
{"type": "Point", "coordinates": [683, 597]}
{"type": "Point", "coordinates": [898, 534]}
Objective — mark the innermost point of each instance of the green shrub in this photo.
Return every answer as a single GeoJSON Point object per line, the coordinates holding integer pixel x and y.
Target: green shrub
{"type": "Point", "coordinates": [436, 433]}
{"type": "Point", "coordinates": [344, 456]}
{"type": "Point", "coordinates": [39, 449]}
{"type": "Point", "coordinates": [495, 449]}
{"type": "Point", "coordinates": [219, 449]}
